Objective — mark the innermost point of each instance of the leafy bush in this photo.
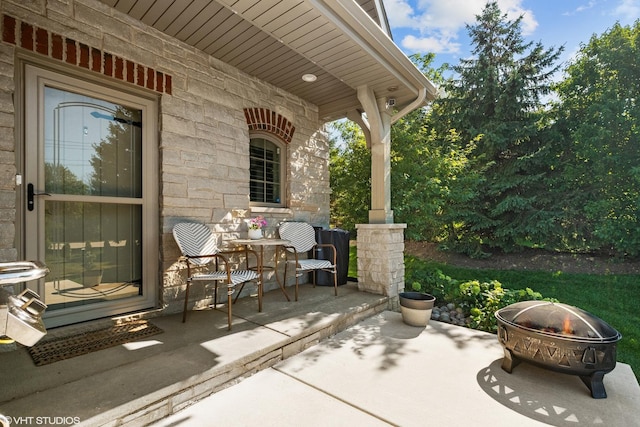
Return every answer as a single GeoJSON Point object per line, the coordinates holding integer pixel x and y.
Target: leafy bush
{"type": "Point", "coordinates": [478, 299]}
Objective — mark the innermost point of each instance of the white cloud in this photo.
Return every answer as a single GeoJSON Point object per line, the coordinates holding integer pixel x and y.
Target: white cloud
{"type": "Point", "coordinates": [440, 23]}
{"type": "Point", "coordinates": [430, 44]}
{"type": "Point", "coordinates": [400, 14]}
{"type": "Point", "coordinates": [627, 11]}
{"type": "Point", "coordinates": [514, 10]}
{"type": "Point", "coordinates": [451, 15]}
{"type": "Point", "coordinates": [587, 6]}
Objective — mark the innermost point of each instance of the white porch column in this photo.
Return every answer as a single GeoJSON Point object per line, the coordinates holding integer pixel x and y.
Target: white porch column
{"type": "Point", "coordinates": [379, 126]}
{"type": "Point", "coordinates": [381, 242]}
{"type": "Point", "coordinates": [381, 260]}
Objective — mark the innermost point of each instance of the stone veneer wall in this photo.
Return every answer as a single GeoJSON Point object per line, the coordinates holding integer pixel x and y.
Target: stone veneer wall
{"type": "Point", "coordinates": [203, 132]}
{"type": "Point", "coordinates": [381, 260]}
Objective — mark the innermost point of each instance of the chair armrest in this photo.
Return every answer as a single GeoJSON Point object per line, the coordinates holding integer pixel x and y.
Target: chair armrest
{"type": "Point", "coordinates": [242, 251]}
{"type": "Point", "coordinates": [290, 250]}
{"type": "Point", "coordinates": [332, 246]}
{"type": "Point", "coordinates": [188, 261]}
{"type": "Point", "coordinates": [217, 257]}
{"type": "Point", "coordinates": [188, 257]}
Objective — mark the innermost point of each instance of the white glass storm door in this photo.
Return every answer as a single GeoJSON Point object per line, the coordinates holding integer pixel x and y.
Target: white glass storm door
{"type": "Point", "coordinates": [90, 196]}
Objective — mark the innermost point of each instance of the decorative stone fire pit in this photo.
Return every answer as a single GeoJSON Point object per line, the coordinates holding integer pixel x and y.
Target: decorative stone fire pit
{"type": "Point", "coordinates": [559, 337]}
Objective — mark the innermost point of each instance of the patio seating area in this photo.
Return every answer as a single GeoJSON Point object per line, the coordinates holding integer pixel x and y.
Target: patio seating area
{"type": "Point", "coordinates": [345, 352]}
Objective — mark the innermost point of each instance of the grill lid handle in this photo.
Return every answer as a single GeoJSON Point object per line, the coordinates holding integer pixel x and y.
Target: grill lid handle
{"type": "Point", "coordinates": [21, 271]}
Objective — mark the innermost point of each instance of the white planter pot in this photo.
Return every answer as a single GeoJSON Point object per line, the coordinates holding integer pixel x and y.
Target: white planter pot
{"type": "Point", "coordinates": [416, 308]}
{"type": "Point", "coordinates": [91, 278]}
{"type": "Point", "coordinates": [255, 234]}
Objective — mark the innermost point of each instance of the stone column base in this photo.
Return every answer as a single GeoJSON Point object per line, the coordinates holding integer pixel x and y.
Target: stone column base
{"type": "Point", "coordinates": [381, 260]}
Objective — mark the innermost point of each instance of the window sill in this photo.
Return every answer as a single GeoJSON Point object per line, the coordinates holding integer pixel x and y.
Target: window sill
{"type": "Point", "coordinates": [269, 210]}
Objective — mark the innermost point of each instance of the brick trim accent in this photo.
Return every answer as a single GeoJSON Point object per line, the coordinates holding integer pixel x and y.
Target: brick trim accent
{"type": "Point", "coordinates": [265, 120]}
{"type": "Point", "coordinates": [56, 46]}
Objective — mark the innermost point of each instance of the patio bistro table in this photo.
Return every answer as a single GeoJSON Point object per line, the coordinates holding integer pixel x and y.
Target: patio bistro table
{"type": "Point", "coordinates": [261, 267]}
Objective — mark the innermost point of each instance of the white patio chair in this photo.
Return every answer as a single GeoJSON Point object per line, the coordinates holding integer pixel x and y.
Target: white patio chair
{"type": "Point", "coordinates": [303, 239]}
{"type": "Point", "coordinates": [199, 251]}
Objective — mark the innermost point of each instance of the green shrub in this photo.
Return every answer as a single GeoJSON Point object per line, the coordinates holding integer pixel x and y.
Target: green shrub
{"type": "Point", "coordinates": [478, 300]}
{"type": "Point", "coordinates": [434, 282]}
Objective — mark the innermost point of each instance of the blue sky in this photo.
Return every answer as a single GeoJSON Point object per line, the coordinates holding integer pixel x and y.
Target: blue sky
{"type": "Point", "coordinates": [438, 26]}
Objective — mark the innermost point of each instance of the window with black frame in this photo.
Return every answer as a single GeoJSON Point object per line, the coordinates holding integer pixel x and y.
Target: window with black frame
{"type": "Point", "coordinates": [265, 172]}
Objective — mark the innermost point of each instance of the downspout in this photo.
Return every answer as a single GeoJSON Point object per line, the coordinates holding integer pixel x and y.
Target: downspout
{"type": "Point", "coordinates": [418, 102]}
{"type": "Point", "coordinates": [356, 116]}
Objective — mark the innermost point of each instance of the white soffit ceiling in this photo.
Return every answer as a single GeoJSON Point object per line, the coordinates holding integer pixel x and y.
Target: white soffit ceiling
{"type": "Point", "coordinates": [278, 41]}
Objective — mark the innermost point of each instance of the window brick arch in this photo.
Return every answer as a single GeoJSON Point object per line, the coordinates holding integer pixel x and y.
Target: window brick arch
{"type": "Point", "coordinates": [265, 120]}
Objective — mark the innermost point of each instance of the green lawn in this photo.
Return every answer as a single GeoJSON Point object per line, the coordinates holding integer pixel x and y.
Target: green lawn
{"type": "Point", "coordinates": [613, 298]}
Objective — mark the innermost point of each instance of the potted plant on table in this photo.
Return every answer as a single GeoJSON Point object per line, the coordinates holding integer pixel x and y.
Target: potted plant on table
{"type": "Point", "coordinates": [255, 227]}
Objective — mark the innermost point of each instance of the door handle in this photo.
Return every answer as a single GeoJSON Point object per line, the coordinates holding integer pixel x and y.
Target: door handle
{"type": "Point", "coordinates": [30, 195]}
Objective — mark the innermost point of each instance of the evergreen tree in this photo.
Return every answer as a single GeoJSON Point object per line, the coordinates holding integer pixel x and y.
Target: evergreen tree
{"type": "Point", "coordinates": [495, 108]}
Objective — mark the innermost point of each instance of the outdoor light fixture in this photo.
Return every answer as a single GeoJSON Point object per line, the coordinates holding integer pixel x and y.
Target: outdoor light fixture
{"type": "Point", "coordinates": [309, 77]}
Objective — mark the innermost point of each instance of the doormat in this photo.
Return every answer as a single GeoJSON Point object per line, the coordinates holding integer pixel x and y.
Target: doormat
{"type": "Point", "coordinates": [44, 353]}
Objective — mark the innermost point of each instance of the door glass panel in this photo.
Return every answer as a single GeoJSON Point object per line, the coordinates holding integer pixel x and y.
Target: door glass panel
{"type": "Point", "coordinates": [91, 146]}
{"type": "Point", "coordinates": [93, 251]}
{"type": "Point", "coordinates": [93, 215]}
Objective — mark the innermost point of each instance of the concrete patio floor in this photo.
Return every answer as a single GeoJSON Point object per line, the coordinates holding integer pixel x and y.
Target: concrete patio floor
{"type": "Point", "coordinates": [383, 372]}
{"type": "Point", "coordinates": [323, 361]}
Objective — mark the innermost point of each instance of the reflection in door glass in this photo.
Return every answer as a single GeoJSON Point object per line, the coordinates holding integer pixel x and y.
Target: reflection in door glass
{"type": "Point", "coordinates": [92, 150]}
{"type": "Point", "coordinates": [93, 252]}
{"type": "Point", "coordinates": [91, 146]}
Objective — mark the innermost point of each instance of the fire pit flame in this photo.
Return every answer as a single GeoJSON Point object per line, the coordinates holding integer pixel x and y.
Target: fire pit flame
{"type": "Point", "coordinates": [567, 329]}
